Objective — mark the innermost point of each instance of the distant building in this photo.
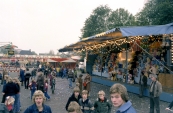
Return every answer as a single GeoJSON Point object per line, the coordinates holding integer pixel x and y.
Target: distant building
{"type": "Point", "coordinates": [27, 52]}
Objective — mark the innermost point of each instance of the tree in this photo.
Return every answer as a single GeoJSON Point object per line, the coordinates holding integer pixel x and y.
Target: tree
{"type": "Point", "coordinates": [97, 22]}
{"type": "Point", "coordinates": [121, 17]}
{"type": "Point", "coordinates": [103, 19]}
{"type": "Point", "coordinates": [156, 12]}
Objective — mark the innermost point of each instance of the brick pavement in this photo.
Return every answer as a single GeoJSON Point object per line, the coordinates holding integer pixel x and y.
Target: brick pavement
{"type": "Point", "coordinates": [62, 93]}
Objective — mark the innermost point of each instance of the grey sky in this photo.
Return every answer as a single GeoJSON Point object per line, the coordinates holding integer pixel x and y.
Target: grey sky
{"type": "Point", "coordinates": [42, 25]}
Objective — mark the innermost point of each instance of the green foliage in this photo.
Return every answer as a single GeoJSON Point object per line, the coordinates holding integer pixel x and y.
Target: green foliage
{"type": "Point", "coordinates": [103, 19]}
{"type": "Point", "coordinates": [121, 17]}
{"type": "Point", "coordinates": [156, 12]}
{"type": "Point", "coordinates": [96, 23]}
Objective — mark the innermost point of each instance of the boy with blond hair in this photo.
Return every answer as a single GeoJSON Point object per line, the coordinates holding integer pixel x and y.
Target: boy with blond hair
{"type": "Point", "coordinates": [85, 103]}
{"type": "Point", "coordinates": [119, 98]}
{"type": "Point", "coordinates": [102, 104]}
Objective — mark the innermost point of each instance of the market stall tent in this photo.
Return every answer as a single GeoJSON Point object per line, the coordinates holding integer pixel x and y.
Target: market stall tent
{"type": "Point", "coordinates": [120, 32]}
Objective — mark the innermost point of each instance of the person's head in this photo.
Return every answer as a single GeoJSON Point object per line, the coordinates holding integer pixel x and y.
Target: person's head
{"type": "Point", "coordinates": [74, 107]}
{"type": "Point", "coordinates": [9, 80]}
{"type": "Point", "coordinates": [153, 77]}
{"type": "Point", "coordinates": [33, 80]}
{"type": "Point", "coordinates": [38, 98]}
{"type": "Point", "coordinates": [80, 75]}
{"type": "Point", "coordinates": [84, 94]}
{"type": "Point", "coordinates": [101, 94]}
{"type": "Point", "coordinates": [77, 84]}
{"type": "Point", "coordinates": [46, 80]}
{"type": "Point", "coordinates": [16, 80]}
{"type": "Point", "coordinates": [118, 94]}
{"type": "Point", "coordinates": [76, 91]}
{"type": "Point", "coordinates": [6, 77]}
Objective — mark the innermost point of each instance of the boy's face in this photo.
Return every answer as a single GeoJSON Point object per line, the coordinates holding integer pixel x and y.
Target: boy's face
{"type": "Point", "coordinates": [39, 101]}
{"type": "Point", "coordinates": [101, 97]}
{"type": "Point", "coordinates": [76, 94]}
{"type": "Point", "coordinates": [84, 96]}
{"type": "Point", "coordinates": [116, 99]}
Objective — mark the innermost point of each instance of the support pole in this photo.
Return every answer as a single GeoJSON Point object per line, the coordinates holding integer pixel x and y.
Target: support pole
{"type": "Point", "coordinates": [126, 62]}
{"type": "Point", "coordinates": [101, 61]}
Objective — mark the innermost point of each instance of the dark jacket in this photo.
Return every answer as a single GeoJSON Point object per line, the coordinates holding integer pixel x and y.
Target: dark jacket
{"type": "Point", "coordinates": [102, 106]}
{"type": "Point", "coordinates": [27, 74]}
{"type": "Point", "coordinates": [22, 73]}
{"type": "Point", "coordinates": [33, 109]}
{"type": "Point", "coordinates": [144, 80]}
{"type": "Point", "coordinates": [11, 89]}
{"type": "Point", "coordinates": [86, 106]}
{"type": "Point", "coordinates": [126, 108]}
{"type": "Point", "coordinates": [72, 98]}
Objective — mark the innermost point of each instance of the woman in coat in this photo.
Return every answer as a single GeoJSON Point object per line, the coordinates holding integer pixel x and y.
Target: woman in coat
{"type": "Point", "coordinates": [80, 81]}
{"type": "Point", "coordinates": [88, 82]}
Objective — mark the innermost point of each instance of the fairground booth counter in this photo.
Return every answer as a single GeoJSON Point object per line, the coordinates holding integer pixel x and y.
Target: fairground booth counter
{"type": "Point", "coordinates": [120, 55]}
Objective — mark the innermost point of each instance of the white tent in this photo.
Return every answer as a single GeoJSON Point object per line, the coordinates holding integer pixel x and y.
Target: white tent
{"type": "Point", "coordinates": [69, 61]}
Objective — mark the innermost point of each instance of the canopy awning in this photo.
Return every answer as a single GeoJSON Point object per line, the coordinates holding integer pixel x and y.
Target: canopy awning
{"type": "Point", "coordinates": [118, 33]}
{"type": "Point", "coordinates": [50, 60]}
{"type": "Point", "coordinates": [69, 61]}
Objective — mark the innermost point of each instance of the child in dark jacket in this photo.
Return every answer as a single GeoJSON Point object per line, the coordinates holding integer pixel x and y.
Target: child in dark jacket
{"type": "Point", "coordinates": [33, 87]}
{"type": "Point", "coordinates": [85, 103]}
{"type": "Point", "coordinates": [46, 89]}
{"type": "Point", "coordinates": [102, 104]}
{"type": "Point", "coordinates": [74, 97]}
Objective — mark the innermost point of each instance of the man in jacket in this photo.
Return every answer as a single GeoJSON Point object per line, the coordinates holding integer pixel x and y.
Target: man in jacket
{"type": "Point", "coordinates": [142, 83]}
{"type": "Point", "coordinates": [27, 76]}
{"type": "Point", "coordinates": [155, 91]}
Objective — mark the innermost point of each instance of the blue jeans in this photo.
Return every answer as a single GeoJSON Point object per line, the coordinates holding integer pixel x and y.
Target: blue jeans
{"type": "Point", "coordinates": [46, 95]}
{"type": "Point", "coordinates": [32, 92]}
{"type": "Point", "coordinates": [64, 75]}
{"type": "Point", "coordinates": [70, 81]}
{"type": "Point", "coordinates": [17, 103]}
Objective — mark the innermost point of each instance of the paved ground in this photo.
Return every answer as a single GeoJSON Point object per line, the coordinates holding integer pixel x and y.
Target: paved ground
{"type": "Point", "coordinates": [59, 99]}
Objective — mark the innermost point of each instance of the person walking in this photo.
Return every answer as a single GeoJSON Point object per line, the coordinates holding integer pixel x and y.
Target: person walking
{"type": "Point", "coordinates": [74, 97]}
{"type": "Point", "coordinates": [17, 103]}
{"type": "Point", "coordinates": [40, 82]}
{"type": "Point", "coordinates": [102, 104]}
{"type": "Point", "coordinates": [85, 103]}
{"type": "Point", "coordinates": [22, 77]}
{"type": "Point", "coordinates": [155, 91]}
{"type": "Point", "coordinates": [80, 81]}
{"type": "Point", "coordinates": [70, 78]}
{"type": "Point", "coordinates": [27, 76]}
{"type": "Point", "coordinates": [33, 87]}
{"type": "Point", "coordinates": [38, 106]}
{"type": "Point", "coordinates": [88, 81]}
{"type": "Point", "coordinates": [46, 89]}
{"type": "Point", "coordinates": [142, 83]}
{"type": "Point", "coordinates": [53, 82]}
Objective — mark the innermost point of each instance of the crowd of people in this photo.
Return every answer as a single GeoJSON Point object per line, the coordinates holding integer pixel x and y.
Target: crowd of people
{"type": "Point", "coordinates": [38, 81]}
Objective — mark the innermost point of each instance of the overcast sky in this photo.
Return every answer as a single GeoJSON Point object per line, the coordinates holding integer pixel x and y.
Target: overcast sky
{"type": "Point", "coordinates": [44, 25]}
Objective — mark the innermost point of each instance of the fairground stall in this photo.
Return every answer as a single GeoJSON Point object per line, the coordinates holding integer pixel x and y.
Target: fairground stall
{"type": "Point", "coordinates": [121, 54]}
